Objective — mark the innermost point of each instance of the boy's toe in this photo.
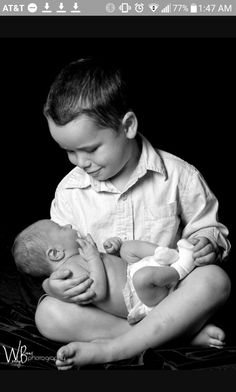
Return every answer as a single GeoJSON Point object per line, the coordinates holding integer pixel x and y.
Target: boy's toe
{"type": "Point", "coordinates": [64, 367]}
{"type": "Point", "coordinates": [66, 352]}
{"type": "Point", "coordinates": [216, 343]}
{"type": "Point", "coordinates": [67, 362]}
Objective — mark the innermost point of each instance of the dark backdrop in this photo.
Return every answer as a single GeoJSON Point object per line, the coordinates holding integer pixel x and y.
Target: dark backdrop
{"type": "Point", "coordinates": [183, 94]}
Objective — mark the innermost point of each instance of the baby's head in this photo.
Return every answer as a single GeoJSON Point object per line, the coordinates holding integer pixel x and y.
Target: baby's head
{"type": "Point", "coordinates": [89, 116]}
{"type": "Point", "coordinates": [43, 247]}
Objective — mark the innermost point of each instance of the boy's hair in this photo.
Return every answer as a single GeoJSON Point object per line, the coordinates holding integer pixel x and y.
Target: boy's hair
{"type": "Point", "coordinates": [92, 87]}
{"type": "Point", "coordinates": [29, 252]}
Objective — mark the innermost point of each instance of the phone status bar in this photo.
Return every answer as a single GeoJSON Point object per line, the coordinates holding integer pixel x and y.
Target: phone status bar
{"type": "Point", "coordinates": [117, 8]}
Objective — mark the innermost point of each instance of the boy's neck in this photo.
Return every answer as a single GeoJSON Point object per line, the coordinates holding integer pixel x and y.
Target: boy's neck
{"type": "Point", "coordinates": [122, 178]}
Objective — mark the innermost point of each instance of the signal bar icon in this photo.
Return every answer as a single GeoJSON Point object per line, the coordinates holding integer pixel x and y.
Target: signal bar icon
{"type": "Point", "coordinates": [153, 7]}
{"type": "Point", "coordinates": [167, 9]}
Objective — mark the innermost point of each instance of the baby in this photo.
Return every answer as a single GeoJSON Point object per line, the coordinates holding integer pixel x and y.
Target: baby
{"type": "Point", "coordinates": [128, 280]}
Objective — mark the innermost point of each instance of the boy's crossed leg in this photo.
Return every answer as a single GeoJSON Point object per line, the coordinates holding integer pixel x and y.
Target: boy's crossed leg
{"type": "Point", "coordinates": [182, 313]}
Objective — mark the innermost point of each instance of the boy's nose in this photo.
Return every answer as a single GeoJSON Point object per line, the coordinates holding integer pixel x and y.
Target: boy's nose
{"type": "Point", "coordinates": [84, 164]}
{"type": "Point", "coordinates": [82, 161]}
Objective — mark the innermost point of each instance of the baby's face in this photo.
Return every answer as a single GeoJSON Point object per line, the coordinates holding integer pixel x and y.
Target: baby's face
{"type": "Point", "coordinates": [62, 235]}
{"type": "Point", "coordinates": [102, 153]}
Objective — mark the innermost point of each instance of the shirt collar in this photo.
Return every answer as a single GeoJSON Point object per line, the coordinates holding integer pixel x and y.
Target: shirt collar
{"type": "Point", "coordinates": [150, 159]}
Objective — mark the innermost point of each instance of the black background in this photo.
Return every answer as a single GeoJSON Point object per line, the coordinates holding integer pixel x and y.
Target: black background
{"type": "Point", "coordinates": [183, 96]}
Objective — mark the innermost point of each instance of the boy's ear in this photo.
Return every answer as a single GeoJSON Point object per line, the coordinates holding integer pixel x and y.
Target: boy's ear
{"type": "Point", "coordinates": [130, 125]}
{"type": "Point", "coordinates": [55, 254]}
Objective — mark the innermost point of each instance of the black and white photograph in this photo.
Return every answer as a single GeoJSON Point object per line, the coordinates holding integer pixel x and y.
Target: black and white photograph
{"type": "Point", "coordinates": [117, 196]}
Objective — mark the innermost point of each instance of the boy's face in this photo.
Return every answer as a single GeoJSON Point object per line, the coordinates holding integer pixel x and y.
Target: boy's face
{"type": "Point", "coordinates": [102, 153]}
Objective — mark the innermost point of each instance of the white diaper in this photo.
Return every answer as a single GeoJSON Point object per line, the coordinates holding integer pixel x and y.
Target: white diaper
{"type": "Point", "coordinates": [163, 256]}
{"type": "Point", "coordinates": [182, 261]}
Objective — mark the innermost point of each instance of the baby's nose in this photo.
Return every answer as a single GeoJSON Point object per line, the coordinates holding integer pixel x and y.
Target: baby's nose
{"type": "Point", "coordinates": [67, 226]}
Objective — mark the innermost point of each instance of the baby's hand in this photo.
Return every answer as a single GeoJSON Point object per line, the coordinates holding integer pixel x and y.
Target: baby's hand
{"type": "Point", "coordinates": [87, 248]}
{"type": "Point", "coordinates": [112, 245]}
{"type": "Point", "coordinates": [204, 252]}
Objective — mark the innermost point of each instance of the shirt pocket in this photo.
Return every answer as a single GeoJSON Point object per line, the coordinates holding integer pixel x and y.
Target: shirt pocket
{"type": "Point", "coordinates": [162, 222]}
{"type": "Point", "coordinates": [162, 212]}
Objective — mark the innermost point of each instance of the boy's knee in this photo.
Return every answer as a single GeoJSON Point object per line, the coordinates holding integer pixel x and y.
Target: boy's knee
{"type": "Point", "coordinates": [215, 282]}
{"type": "Point", "coordinates": [220, 282]}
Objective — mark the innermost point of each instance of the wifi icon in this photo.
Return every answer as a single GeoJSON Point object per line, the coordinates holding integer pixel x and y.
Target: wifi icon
{"type": "Point", "coordinates": [153, 7]}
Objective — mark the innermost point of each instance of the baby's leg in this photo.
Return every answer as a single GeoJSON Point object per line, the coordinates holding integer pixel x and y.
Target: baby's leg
{"type": "Point", "coordinates": [152, 284]}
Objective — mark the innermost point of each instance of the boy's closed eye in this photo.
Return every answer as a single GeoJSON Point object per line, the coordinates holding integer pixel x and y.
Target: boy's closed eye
{"type": "Point", "coordinates": [91, 149]}
{"type": "Point", "coordinates": [88, 150]}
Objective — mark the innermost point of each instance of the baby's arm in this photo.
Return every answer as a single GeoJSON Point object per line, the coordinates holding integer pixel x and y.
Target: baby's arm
{"type": "Point", "coordinates": [134, 250]}
{"type": "Point", "coordinates": [89, 252]}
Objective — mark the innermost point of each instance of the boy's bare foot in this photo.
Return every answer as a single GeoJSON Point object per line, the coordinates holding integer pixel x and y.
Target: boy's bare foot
{"type": "Point", "coordinates": [78, 354]}
{"type": "Point", "coordinates": [209, 336]}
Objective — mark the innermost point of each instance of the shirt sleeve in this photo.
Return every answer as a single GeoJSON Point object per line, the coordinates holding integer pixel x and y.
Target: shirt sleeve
{"type": "Point", "coordinates": [199, 212]}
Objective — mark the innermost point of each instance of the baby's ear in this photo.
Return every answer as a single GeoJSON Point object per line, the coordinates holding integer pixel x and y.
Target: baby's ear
{"type": "Point", "coordinates": [55, 254]}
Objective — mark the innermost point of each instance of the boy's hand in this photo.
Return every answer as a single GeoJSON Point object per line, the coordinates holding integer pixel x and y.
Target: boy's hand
{"type": "Point", "coordinates": [87, 248]}
{"type": "Point", "coordinates": [204, 252]}
{"type": "Point", "coordinates": [75, 290]}
{"type": "Point", "coordinates": [112, 245]}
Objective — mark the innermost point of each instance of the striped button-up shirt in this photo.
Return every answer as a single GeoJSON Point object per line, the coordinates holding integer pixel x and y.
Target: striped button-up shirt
{"type": "Point", "coordinates": [164, 200]}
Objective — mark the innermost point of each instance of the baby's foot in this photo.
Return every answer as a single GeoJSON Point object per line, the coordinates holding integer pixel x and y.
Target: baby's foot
{"type": "Point", "coordinates": [78, 354]}
{"type": "Point", "coordinates": [210, 336]}
{"type": "Point", "coordinates": [185, 263]}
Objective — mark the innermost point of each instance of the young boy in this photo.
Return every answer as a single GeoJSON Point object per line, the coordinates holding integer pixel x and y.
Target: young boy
{"type": "Point", "coordinates": [45, 247]}
{"type": "Point", "coordinates": [121, 186]}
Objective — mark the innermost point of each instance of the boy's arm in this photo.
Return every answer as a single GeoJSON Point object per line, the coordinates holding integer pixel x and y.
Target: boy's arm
{"type": "Point", "coordinates": [89, 252]}
{"type": "Point", "coordinates": [199, 213]}
{"type": "Point", "coordinates": [134, 250]}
